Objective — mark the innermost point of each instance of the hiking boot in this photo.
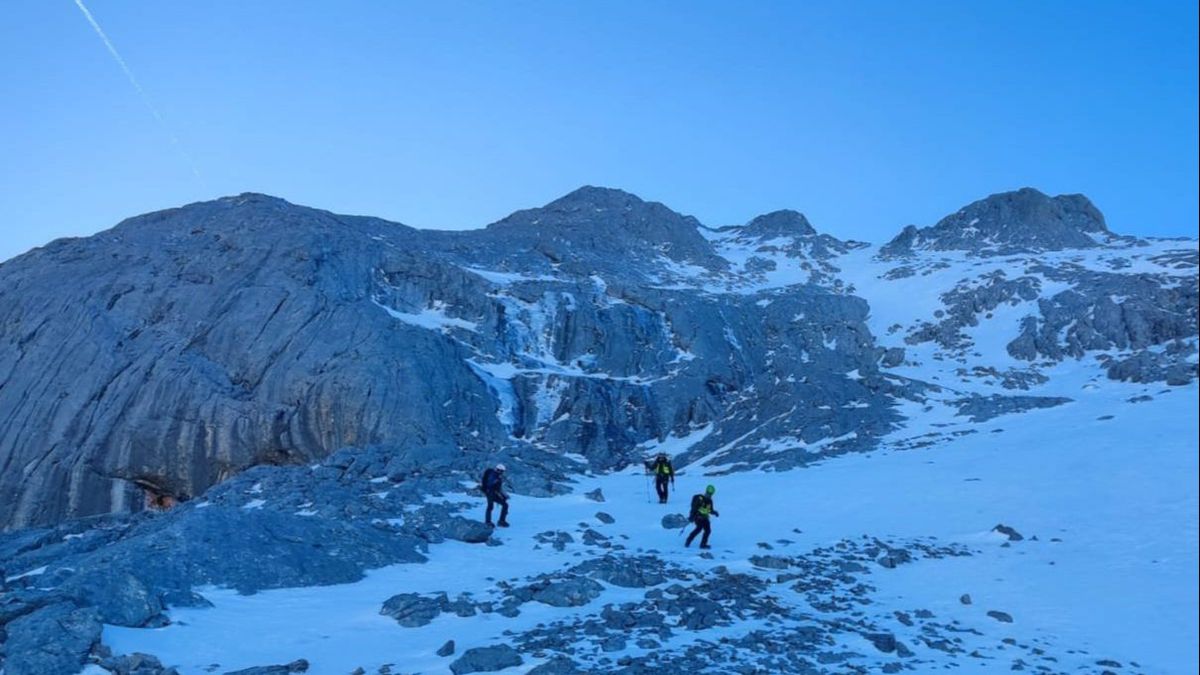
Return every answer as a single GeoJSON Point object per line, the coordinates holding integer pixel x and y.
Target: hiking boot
{"type": "Point", "coordinates": [705, 546]}
{"type": "Point", "coordinates": [502, 524]}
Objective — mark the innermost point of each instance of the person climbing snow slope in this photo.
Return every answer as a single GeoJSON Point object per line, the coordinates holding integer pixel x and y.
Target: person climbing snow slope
{"type": "Point", "coordinates": [664, 473]}
{"type": "Point", "coordinates": [702, 508]}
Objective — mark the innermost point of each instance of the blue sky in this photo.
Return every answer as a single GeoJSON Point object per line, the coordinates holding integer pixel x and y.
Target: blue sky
{"type": "Point", "coordinates": [864, 115]}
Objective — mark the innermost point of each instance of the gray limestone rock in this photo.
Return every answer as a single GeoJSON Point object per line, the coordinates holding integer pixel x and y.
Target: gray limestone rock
{"type": "Point", "coordinates": [884, 642]}
{"type": "Point", "coordinates": [297, 666]}
{"type": "Point", "coordinates": [1009, 532]}
{"type": "Point", "coordinates": [1002, 617]}
{"type": "Point", "coordinates": [412, 610]}
{"type": "Point", "coordinates": [486, 660]}
{"type": "Point", "coordinates": [982, 408]}
{"type": "Point", "coordinates": [557, 665]}
{"type": "Point", "coordinates": [55, 638]}
{"type": "Point", "coordinates": [135, 664]}
{"type": "Point", "coordinates": [774, 562]}
{"type": "Point", "coordinates": [464, 529]}
{"type": "Point", "coordinates": [571, 592]}
{"type": "Point", "coordinates": [674, 521]}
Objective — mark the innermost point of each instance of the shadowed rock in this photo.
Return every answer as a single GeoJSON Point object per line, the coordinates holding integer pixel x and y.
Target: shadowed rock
{"type": "Point", "coordinates": [486, 660]}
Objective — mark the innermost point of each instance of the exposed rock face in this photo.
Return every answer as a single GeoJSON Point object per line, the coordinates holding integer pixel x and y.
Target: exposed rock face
{"type": "Point", "coordinates": [1070, 311]}
{"type": "Point", "coordinates": [183, 346]}
{"type": "Point", "coordinates": [52, 639]}
{"type": "Point", "coordinates": [152, 361]}
{"type": "Point", "coordinates": [1023, 220]}
{"type": "Point", "coordinates": [146, 364]}
{"type": "Point", "coordinates": [783, 223]}
{"type": "Point", "coordinates": [1107, 311]}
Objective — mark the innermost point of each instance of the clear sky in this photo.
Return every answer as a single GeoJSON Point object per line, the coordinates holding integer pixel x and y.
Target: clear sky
{"type": "Point", "coordinates": [864, 115]}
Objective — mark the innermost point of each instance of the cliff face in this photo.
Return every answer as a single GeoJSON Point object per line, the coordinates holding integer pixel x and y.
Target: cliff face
{"type": "Point", "coordinates": [177, 348]}
{"type": "Point", "coordinates": [157, 358]}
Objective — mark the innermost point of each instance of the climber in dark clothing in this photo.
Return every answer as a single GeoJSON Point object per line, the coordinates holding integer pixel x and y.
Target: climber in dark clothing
{"type": "Point", "coordinates": [663, 473]}
{"type": "Point", "coordinates": [493, 488]}
{"type": "Point", "coordinates": [702, 508]}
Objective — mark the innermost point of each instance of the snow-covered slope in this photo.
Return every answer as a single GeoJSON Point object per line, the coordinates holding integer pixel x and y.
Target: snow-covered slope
{"type": "Point", "coordinates": [1102, 490]}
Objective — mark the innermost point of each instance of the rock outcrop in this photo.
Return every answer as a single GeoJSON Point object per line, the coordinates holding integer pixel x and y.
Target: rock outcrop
{"type": "Point", "coordinates": [1008, 222]}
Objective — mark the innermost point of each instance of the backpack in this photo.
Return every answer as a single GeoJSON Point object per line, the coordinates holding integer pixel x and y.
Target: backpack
{"type": "Point", "coordinates": [697, 502]}
{"type": "Point", "coordinates": [487, 482]}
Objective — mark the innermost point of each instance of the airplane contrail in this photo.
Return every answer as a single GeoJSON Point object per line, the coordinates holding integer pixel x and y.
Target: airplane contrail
{"type": "Point", "coordinates": [87, 14]}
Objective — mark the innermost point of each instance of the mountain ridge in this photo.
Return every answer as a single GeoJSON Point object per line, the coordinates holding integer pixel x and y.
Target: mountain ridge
{"type": "Point", "coordinates": [184, 345]}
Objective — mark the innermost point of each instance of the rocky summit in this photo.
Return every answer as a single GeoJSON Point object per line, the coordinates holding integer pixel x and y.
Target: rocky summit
{"type": "Point", "coordinates": [213, 408]}
{"type": "Point", "coordinates": [1023, 220]}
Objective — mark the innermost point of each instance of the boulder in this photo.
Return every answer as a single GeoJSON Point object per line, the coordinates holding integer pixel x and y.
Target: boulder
{"type": "Point", "coordinates": [135, 664]}
{"type": "Point", "coordinates": [771, 562]}
{"type": "Point", "coordinates": [1009, 532]}
{"type": "Point", "coordinates": [56, 638]}
{"type": "Point", "coordinates": [412, 610]}
{"type": "Point", "coordinates": [572, 592]}
{"type": "Point", "coordinates": [557, 665]}
{"type": "Point", "coordinates": [486, 660]}
{"type": "Point", "coordinates": [297, 666]}
{"type": "Point", "coordinates": [464, 529]}
{"type": "Point", "coordinates": [674, 521]}
{"type": "Point", "coordinates": [884, 642]}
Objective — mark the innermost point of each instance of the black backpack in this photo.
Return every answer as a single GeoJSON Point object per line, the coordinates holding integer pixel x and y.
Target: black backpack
{"type": "Point", "coordinates": [697, 502]}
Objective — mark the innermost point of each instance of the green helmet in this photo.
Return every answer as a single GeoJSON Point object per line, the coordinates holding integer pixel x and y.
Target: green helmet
{"type": "Point", "coordinates": [710, 490]}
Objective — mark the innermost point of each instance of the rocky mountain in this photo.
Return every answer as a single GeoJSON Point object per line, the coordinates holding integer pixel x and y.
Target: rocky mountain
{"type": "Point", "coordinates": [313, 396]}
{"type": "Point", "coordinates": [160, 357]}
{"type": "Point", "coordinates": [1010, 222]}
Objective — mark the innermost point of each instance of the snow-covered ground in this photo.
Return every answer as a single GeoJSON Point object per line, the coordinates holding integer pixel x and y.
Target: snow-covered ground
{"type": "Point", "coordinates": [1107, 486]}
{"type": "Point", "coordinates": [1103, 488]}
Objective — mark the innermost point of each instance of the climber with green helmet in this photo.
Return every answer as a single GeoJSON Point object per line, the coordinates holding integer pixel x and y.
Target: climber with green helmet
{"type": "Point", "coordinates": [702, 508]}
